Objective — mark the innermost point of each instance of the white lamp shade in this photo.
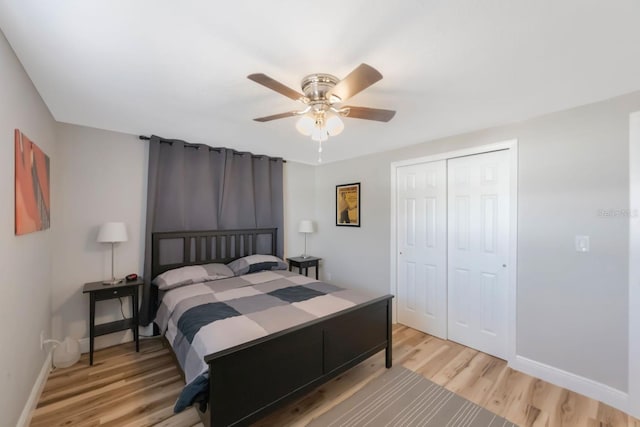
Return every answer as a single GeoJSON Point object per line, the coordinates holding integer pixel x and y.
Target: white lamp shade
{"type": "Point", "coordinates": [112, 232]}
{"type": "Point", "coordinates": [305, 125]}
{"type": "Point", "coordinates": [334, 126]}
{"type": "Point", "coordinates": [306, 226]}
{"type": "Point", "coordinates": [319, 134]}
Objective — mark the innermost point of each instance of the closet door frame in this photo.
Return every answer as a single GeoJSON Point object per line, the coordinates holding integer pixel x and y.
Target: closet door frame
{"type": "Point", "coordinates": [512, 146]}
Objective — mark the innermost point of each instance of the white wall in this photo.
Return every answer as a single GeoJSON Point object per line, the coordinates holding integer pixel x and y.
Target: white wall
{"type": "Point", "coordinates": [299, 204]}
{"type": "Point", "coordinates": [25, 261]}
{"type": "Point", "coordinates": [102, 177]}
{"type": "Point", "coordinates": [571, 307]}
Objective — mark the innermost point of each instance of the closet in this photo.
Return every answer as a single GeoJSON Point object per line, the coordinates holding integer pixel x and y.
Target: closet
{"type": "Point", "coordinates": [452, 240]}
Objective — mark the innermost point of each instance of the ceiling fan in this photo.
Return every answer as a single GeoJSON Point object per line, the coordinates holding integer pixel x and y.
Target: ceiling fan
{"type": "Point", "coordinates": [322, 97]}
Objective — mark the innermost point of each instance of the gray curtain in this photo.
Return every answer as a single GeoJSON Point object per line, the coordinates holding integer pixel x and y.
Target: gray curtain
{"type": "Point", "coordinates": [197, 187]}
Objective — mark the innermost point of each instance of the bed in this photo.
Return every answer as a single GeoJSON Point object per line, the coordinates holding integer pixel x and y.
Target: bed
{"type": "Point", "coordinates": [258, 374]}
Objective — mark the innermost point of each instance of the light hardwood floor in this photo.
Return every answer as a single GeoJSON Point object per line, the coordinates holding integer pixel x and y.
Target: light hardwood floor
{"type": "Point", "coordinates": [125, 388]}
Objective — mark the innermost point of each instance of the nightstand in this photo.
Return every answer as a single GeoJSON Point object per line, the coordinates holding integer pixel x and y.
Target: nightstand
{"type": "Point", "coordinates": [304, 263]}
{"type": "Point", "coordinates": [99, 292]}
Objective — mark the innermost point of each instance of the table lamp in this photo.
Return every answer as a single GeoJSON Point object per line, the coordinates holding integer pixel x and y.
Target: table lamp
{"type": "Point", "coordinates": [306, 227]}
{"type": "Point", "coordinates": [112, 232]}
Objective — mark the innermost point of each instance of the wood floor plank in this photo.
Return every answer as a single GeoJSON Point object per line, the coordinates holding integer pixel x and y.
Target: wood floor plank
{"type": "Point", "coordinates": [477, 381]}
{"type": "Point", "coordinates": [437, 363]}
{"type": "Point", "coordinates": [131, 373]}
{"type": "Point", "coordinates": [519, 408]}
{"type": "Point", "coordinates": [130, 389]}
{"type": "Point", "coordinates": [610, 417]}
{"type": "Point", "coordinates": [144, 408]}
{"type": "Point", "coordinates": [105, 395]}
{"type": "Point", "coordinates": [103, 407]}
{"type": "Point", "coordinates": [455, 366]}
{"type": "Point", "coordinates": [188, 417]}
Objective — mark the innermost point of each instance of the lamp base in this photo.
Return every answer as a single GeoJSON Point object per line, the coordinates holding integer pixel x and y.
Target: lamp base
{"type": "Point", "coordinates": [112, 282]}
{"type": "Point", "coordinates": [305, 256]}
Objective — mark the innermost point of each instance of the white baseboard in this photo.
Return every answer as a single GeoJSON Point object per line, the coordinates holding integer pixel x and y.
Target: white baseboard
{"type": "Point", "coordinates": [36, 391]}
{"type": "Point", "coordinates": [590, 388]}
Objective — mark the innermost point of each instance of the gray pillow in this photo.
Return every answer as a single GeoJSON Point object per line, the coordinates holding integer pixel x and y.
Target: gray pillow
{"type": "Point", "coordinates": [254, 263]}
{"type": "Point", "coordinates": [191, 274]}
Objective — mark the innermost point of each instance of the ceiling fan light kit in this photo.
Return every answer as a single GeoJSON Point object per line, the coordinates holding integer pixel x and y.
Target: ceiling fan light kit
{"type": "Point", "coordinates": [321, 95]}
{"type": "Point", "coordinates": [329, 123]}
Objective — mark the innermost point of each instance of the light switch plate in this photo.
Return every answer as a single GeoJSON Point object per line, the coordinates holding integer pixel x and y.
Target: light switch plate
{"type": "Point", "coordinates": [582, 243]}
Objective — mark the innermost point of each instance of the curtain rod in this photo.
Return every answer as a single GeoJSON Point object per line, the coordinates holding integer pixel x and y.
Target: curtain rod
{"type": "Point", "coordinates": [218, 150]}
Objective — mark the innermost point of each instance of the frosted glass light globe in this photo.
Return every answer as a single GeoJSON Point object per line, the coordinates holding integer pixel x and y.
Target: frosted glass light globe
{"type": "Point", "coordinates": [319, 134]}
{"type": "Point", "coordinates": [306, 125]}
{"type": "Point", "coordinates": [334, 125]}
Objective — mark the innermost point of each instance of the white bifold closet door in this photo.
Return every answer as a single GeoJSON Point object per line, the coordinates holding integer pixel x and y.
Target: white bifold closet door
{"type": "Point", "coordinates": [478, 251]}
{"type": "Point", "coordinates": [422, 246]}
{"type": "Point", "coordinates": [453, 222]}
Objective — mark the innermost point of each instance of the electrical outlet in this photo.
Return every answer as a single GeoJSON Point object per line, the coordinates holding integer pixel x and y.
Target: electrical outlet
{"type": "Point", "coordinates": [328, 276]}
{"type": "Point", "coordinates": [582, 243]}
{"type": "Point", "coordinates": [42, 338]}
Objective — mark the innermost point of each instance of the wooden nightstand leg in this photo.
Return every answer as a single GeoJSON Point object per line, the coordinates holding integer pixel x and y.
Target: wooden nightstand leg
{"type": "Point", "coordinates": [388, 359]}
{"type": "Point", "coordinates": [316, 271]}
{"type": "Point", "coordinates": [290, 266]}
{"type": "Point", "coordinates": [92, 322]}
{"type": "Point", "coordinates": [134, 313]}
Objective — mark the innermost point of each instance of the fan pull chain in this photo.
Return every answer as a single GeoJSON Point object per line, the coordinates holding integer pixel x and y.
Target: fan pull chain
{"type": "Point", "coordinates": [320, 151]}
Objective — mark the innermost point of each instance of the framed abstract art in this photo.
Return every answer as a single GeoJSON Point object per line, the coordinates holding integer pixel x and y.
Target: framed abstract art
{"type": "Point", "coordinates": [32, 195]}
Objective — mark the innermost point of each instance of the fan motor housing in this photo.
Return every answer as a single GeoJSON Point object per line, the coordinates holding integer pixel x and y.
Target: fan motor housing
{"type": "Point", "coordinates": [316, 86]}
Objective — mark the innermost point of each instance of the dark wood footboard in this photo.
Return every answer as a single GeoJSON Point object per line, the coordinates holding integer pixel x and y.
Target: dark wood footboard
{"type": "Point", "coordinates": [252, 379]}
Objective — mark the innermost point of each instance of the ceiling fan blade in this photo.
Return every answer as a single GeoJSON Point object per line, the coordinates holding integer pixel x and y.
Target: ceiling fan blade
{"type": "Point", "coordinates": [369, 113]}
{"type": "Point", "coordinates": [358, 80]}
{"type": "Point", "coordinates": [276, 116]}
{"type": "Point", "coordinates": [272, 84]}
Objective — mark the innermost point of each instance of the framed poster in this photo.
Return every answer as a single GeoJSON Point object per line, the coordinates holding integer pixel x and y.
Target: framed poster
{"type": "Point", "coordinates": [32, 186]}
{"type": "Point", "coordinates": [348, 205]}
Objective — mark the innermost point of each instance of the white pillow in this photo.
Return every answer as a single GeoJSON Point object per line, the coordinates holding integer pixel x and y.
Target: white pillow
{"type": "Point", "coordinates": [254, 263]}
{"type": "Point", "coordinates": [191, 274]}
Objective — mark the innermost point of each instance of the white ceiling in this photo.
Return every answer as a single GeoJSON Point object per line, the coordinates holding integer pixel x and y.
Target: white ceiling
{"type": "Point", "coordinates": [178, 68]}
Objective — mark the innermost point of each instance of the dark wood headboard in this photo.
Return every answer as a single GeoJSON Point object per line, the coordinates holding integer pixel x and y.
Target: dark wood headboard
{"type": "Point", "coordinates": [208, 246]}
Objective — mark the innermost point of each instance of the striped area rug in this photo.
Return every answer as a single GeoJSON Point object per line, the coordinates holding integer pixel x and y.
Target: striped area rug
{"type": "Point", "coordinates": [403, 398]}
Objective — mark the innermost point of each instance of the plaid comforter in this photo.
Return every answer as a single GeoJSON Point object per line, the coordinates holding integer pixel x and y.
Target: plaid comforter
{"type": "Point", "coordinates": [205, 318]}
